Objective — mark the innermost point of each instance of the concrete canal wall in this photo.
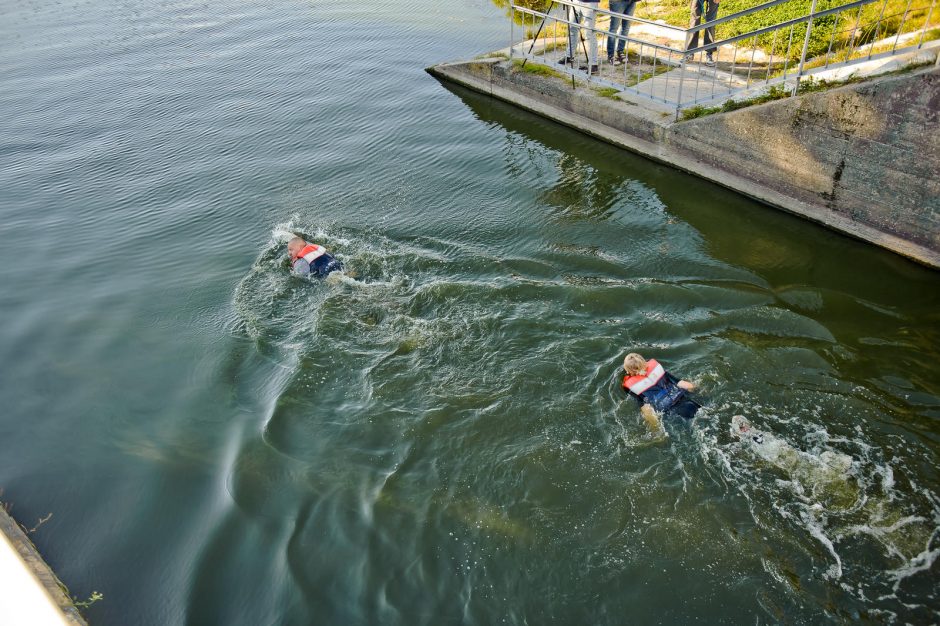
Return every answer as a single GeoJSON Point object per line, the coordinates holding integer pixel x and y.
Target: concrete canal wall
{"type": "Point", "coordinates": [30, 593]}
{"type": "Point", "coordinates": [861, 159]}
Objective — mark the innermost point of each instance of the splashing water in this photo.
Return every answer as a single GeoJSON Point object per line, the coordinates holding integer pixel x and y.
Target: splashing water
{"type": "Point", "coordinates": [423, 345]}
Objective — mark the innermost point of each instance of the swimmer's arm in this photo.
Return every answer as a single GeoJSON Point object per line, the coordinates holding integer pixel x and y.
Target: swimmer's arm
{"type": "Point", "coordinates": [684, 384]}
{"type": "Point", "coordinates": [301, 267]}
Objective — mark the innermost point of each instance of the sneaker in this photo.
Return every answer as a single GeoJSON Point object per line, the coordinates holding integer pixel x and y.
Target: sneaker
{"type": "Point", "coordinates": [621, 59]}
{"type": "Point", "coordinates": [566, 61]}
{"type": "Point", "coordinates": [610, 61]}
{"type": "Point", "coordinates": [594, 69]}
{"type": "Point", "coordinates": [688, 57]}
{"type": "Point", "coordinates": [709, 61]}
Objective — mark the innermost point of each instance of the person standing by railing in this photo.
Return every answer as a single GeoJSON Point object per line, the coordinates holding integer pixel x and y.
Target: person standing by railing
{"type": "Point", "coordinates": [624, 7]}
{"type": "Point", "coordinates": [581, 12]}
{"type": "Point", "coordinates": [710, 10]}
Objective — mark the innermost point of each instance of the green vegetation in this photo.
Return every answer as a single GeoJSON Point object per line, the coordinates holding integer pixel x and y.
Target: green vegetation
{"type": "Point", "coordinates": [778, 92]}
{"type": "Point", "coordinates": [847, 54]}
{"type": "Point", "coordinates": [519, 18]}
{"type": "Point", "coordinates": [698, 111]}
{"type": "Point", "coordinates": [535, 68]}
{"type": "Point", "coordinates": [607, 92]}
{"type": "Point", "coordinates": [833, 39]}
{"type": "Point", "coordinates": [84, 604]}
{"type": "Point", "coordinates": [842, 31]}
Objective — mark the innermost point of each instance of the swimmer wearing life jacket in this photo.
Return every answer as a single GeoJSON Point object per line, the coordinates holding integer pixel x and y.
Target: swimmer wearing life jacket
{"type": "Point", "coordinates": [310, 259]}
{"type": "Point", "coordinates": [658, 391]}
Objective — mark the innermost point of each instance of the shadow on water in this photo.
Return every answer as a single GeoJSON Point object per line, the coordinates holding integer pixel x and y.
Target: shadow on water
{"type": "Point", "coordinates": [846, 286]}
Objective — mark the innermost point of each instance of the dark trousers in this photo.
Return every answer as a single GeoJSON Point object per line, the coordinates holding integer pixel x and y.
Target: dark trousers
{"type": "Point", "coordinates": [710, 10]}
{"type": "Point", "coordinates": [685, 407]}
{"type": "Point", "coordinates": [324, 265]}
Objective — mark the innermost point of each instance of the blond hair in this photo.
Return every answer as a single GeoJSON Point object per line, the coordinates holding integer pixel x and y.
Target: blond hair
{"type": "Point", "coordinates": [634, 364]}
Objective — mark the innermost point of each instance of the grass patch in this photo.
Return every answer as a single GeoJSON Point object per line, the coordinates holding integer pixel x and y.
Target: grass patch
{"type": "Point", "coordinates": [849, 54]}
{"type": "Point", "coordinates": [535, 68]}
{"type": "Point", "coordinates": [607, 92]}
{"type": "Point", "coordinates": [840, 33]}
{"type": "Point", "coordinates": [779, 92]}
{"type": "Point", "coordinates": [698, 111]}
{"type": "Point", "coordinates": [836, 37]}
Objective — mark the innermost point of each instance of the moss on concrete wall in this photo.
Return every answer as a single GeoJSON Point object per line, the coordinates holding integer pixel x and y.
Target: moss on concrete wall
{"type": "Point", "coordinates": [860, 159]}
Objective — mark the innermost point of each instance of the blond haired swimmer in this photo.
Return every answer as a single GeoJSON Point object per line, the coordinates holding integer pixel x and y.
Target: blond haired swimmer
{"type": "Point", "coordinates": [657, 391]}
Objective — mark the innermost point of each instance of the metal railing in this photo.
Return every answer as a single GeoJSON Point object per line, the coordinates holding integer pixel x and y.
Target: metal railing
{"type": "Point", "coordinates": [660, 65]}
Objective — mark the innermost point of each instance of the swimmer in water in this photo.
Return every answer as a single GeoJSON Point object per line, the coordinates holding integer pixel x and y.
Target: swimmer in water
{"type": "Point", "coordinates": [657, 391]}
{"type": "Point", "coordinates": [826, 475]}
{"type": "Point", "coordinates": [310, 259]}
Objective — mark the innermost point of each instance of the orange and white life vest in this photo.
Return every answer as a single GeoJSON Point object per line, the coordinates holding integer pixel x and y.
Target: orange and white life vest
{"type": "Point", "coordinates": [638, 384]}
{"type": "Point", "coordinates": [310, 253]}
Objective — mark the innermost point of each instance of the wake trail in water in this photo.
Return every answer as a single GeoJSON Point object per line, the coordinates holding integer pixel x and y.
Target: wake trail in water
{"type": "Point", "coordinates": [841, 493]}
{"type": "Point", "coordinates": [511, 358]}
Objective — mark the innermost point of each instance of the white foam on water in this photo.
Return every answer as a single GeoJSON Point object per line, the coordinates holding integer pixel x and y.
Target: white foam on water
{"type": "Point", "coordinates": [896, 518]}
{"type": "Point", "coordinates": [816, 527]}
{"type": "Point", "coordinates": [282, 236]}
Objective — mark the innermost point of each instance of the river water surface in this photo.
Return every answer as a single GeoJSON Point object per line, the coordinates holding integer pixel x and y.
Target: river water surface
{"type": "Point", "coordinates": [438, 437]}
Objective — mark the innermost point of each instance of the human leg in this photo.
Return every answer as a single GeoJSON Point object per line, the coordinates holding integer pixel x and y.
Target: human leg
{"type": "Point", "coordinates": [695, 16]}
{"type": "Point", "coordinates": [588, 15]}
{"type": "Point", "coordinates": [711, 13]}
{"type": "Point", "coordinates": [616, 6]}
{"type": "Point", "coordinates": [625, 28]}
{"type": "Point", "coordinates": [685, 408]}
{"type": "Point", "coordinates": [574, 17]}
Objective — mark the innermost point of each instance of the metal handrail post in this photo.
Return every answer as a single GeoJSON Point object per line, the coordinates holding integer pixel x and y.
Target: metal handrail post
{"type": "Point", "coordinates": [926, 22]}
{"type": "Point", "coordinates": [681, 79]}
{"type": "Point", "coordinates": [535, 39]}
{"type": "Point", "coordinates": [512, 27]}
{"type": "Point", "coordinates": [809, 30]}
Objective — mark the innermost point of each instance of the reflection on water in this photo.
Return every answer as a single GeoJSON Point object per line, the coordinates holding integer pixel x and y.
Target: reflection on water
{"type": "Point", "coordinates": [438, 435]}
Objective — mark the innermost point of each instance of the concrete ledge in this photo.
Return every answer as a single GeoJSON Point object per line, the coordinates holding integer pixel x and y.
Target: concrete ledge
{"type": "Point", "coordinates": [801, 178]}
{"type": "Point", "coordinates": [30, 593]}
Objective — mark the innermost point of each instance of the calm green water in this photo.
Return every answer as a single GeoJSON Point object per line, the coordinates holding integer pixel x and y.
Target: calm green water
{"type": "Point", "coordinates": [441, 439]}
